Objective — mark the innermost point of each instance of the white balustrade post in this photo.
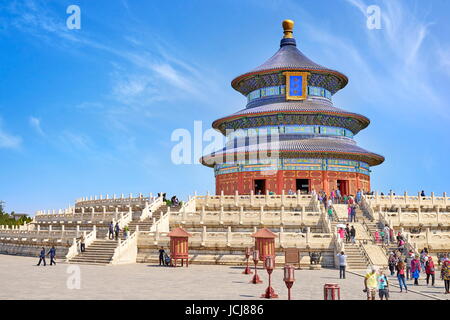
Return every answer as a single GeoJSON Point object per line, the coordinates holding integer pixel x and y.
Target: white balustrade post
{"type": "Point", "coordinates": [261, 215]}
{"type": "Point", "coordinates": [281, 215]}
{"type": "Point", "coordinates": [204, 236]}
{"type": "Point", "coordinates": [202, 215]}
{"type": "Point", "coordinates": [308, 230]}
{"type": "Point", "coordinates": [229, 236]}
{"type": "Point", "coordinates": [282, 197]}
{"type": "Point", "coordinates": [252, 198]}
{"type": "Point", "coordinates": [221, 215]}
{"type": "Point", "coordinates": [432, 198]}
{"type": "Point", "coordinates": [241, 214]}
{"type": "Point", "coordinates": [78, 230]}
{"type": "Point", "coordinates": [281, 237]}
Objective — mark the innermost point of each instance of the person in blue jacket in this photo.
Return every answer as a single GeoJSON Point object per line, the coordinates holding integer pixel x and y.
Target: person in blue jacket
{"type": "Point", "coordinates": [42, 257]}
{"type": "Point", "coordinates": [52, 253]}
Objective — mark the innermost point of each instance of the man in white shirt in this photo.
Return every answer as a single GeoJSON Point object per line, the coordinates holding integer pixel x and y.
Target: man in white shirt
{"type": "Point", "coordinates": [342, 264]}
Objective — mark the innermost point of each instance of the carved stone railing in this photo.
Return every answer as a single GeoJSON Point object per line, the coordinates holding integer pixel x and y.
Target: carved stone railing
{"type": "Point", "coordinates": [150, 208]}
{"type": "Point", "coordinates": [88, 239]}
{"type": "Point", "coordinates": [377, 199]}
{"type": "Point", "coordinates": [255, 200]}
{"type": "Point", "coordinates": [140, 200]}
{"type": "Point", "coordinates": [126, 250]}
{"type": "Point", "coordinates": [163, 224]}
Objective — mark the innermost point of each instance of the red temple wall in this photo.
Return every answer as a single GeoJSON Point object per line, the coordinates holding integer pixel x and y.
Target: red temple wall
{"type": "Point", "coordinates": [277, 181]}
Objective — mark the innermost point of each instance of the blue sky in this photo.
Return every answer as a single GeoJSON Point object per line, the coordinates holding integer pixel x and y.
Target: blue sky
{"type": "Point", "coordinates": [91, 111]}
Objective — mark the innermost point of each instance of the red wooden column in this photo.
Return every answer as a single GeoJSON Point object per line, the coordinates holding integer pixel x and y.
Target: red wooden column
{"type": "Point", "coordinates": [179, 247]}
{"type": "Point", "coordinates": [265, 243]}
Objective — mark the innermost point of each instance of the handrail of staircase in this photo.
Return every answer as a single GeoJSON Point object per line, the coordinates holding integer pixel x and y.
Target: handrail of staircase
{"type": "Point", "coordinates": [360, 243]}
{"type": "Point", "coordinates": [88, 239]}
{"type": "Point", "coordinates": [162, 225]}
{"type": "Point", "coordinates": [151, 207]}
{"type": "Point", "coordinates": [364, 205]}
{"type": "Point", "coordinates": [123, 248]}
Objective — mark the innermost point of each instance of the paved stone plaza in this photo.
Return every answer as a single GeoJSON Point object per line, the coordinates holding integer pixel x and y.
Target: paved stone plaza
{"type": "Point", "coordinates": [22, 279]}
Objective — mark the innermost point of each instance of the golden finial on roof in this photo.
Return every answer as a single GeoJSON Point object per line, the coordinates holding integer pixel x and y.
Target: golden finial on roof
{"type": "Point", "coordinates": [288, 26]}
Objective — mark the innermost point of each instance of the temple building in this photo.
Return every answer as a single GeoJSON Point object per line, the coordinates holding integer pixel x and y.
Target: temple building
{"type": "Point", "coordinates": [289, 136]}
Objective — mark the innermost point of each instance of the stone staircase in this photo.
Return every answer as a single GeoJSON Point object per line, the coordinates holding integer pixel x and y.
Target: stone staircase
{"type": "Point", "coordinates": [355, 258]}
{"type": "Point", "coordinates": [100, 252]}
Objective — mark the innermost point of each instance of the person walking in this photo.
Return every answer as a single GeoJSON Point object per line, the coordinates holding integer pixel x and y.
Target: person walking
{"type": "Point", "coordinates": [52, 253]}
{"type": "Point", "coordinates": [330, 213]}
{"type": "Point", "coordinates": [111, 231]}
{"type": "Point", "coordinates": [401, 276]}
{"type": "Point", "coordinates": [371, 284]}
{"type": "Point", "coordinates": [408, 260]}
{"type": "Point", "coordinates": [430, 271]}
{"type": "Point", "coordinates": [415, 269]}
{"type": "Point", "coordinates": [342, 264]}
{"type": "Point", "coordinates": [387, 232]}
{"type": "Point", "coordinates": [117, 230]}
{"type": "Point", "coordinates": [392, 262]}
{"type": "Point", "coordinates": [377, 236]}
{"type": "Point", "coordinates": [353, 234]}
{"type": "Point", "coordinates": [82, 243]}
{"type": "Point", "coordinates": [347, 233]}
{"type": "Point", "coordinates": [161, 256]}
{"type": "Point", "coordinates": [42, 257]}
{"type": "Point", "coordinates": [383, 286]}
{"type": "Point", "coordinates": [445, 270]}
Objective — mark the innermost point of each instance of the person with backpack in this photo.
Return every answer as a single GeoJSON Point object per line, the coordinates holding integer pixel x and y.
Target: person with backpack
{"type": "Point", "coordinates": [117, 230]}
{"type": "Point", "coordinates": [347, 233]}
{"type": "Point", "coordinates": [401, 276]}
{"type": "Point", "coordinates": [161, 256]}
{"type": "Point", "coordinates": [415, 269]}
{"type": "Point", "coordinates": [430, 271]}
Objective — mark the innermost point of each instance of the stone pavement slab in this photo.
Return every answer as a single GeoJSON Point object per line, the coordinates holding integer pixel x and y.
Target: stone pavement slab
{"type": "Point", "coordinates": [22, 279]}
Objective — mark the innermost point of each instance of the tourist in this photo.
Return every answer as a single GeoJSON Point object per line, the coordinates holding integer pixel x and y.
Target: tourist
{"type": "Point", "coordinates": [329, 203]}
{"type": "Point", "coordinates": [342, 264]}
{"type": "Point", "coordinates": [387, 232]}
{"type": "Point", "coordinates": [401, 276]}
{"type": "Point", "coordinates": [445, 270]}
{"type": "Point", "coordinates": [341, 232]}
{"type": "Point", "coordinates": [117, 230]}
{"type": "Point", "coordinates": [330, 213]}
{"type": "Point", "coordinates": [423, 257]}
{"type": "Point", "coordinates": [377, 236]}
{"type": "Point", "coordinates": [383, 285]}
{"type": "Point", "coordinates": [371, 284]}
{"type": "Point", "coordinates": [349, 212]}
{"type": "Point", "coordinates": [391, 234]}
{"type": "Point", "coordinates": [347, 233]}
{"type": "Point", "coordinates": [353, 234]}
{"type": "Point", "coordinates": [42, 257]}
{"type": "Point", "coordinates": [290, 192]}
{"type": "Point", "coordinates": [358, 196]}
{"type": "Point", "coordinates": [392, 262]}
{"type": "Point", "coordinates": [382, 238]}
{"type": "Point", "coordinates": [408, 261]}
{"type": "Point", "coordinates": [111, 231]}
{"type": "Point", "coordinates": [52, 253]}
{"type": "Point", "coordinates": [353, 213]}
{"type": "Point", "coordinates": [442, 260]}
{"type": "Point", "coordinates": [422, 194]}
{"type": "Point", "coordinates": [338, 195]}
{"type": "Point", "coordinates": [332, 196]}
{"type": "Point", "coordinates": [82, 243]}
{"type": "Point", "coordinates": [415, 269]}
{"type": "Point", "coordinates": [430, 270]}
{"type": "Point", "coordinates": [161, 256]}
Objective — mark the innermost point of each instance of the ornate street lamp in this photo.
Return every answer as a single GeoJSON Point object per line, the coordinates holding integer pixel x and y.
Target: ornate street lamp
{"type": "Point", "coordinates": [269, 263]}
{"type": "Point", "coordinates": [289, 278]}
{"type": "Point", "coordinates": [256, 279]}
{"type": "Point", "coordinates": [248, 252]}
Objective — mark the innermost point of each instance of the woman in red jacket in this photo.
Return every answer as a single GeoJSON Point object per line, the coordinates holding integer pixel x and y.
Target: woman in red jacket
{"type": "Point", "coordinates": [429, 270]}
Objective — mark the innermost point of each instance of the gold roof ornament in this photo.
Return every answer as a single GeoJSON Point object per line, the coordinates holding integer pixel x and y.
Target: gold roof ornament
{"type": "Point", "coordinates": [288, 26]}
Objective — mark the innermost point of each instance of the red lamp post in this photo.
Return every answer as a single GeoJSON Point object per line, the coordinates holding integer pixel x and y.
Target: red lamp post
{"type": "Point", "coordinates": [256, 279]}
{"type": "Point", "coordinates": [248, 252]}
{"type": "Point", "coordinates": [289, 278]}
{"type": "Point", "coordinates": [269, 263]}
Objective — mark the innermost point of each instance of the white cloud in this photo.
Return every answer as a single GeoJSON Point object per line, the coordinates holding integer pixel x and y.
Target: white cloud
{"type": "Point", "coordinates": [7, 140]}
{"type": "Point", "coordinates": [35, 123]}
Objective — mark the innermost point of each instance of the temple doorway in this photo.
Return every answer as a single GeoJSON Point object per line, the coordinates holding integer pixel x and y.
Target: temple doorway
{"type": "Point", "coordinates": [342, 185]}
{"type": "Point", "coordinates": [260, 186]}
{"type": "Point", "coordinates": [302, 185]}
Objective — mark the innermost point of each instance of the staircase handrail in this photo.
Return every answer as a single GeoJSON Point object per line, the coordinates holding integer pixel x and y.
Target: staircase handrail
{"type": "Point", "coordinates": [123, 248]}
{"type": "Point", "coordinates": [150, 208]}
{"type": "Point", "coordinates": [162, 225]}
{"type": "Point", "coordinates": [73, 249]}
{"type": "Point", "coordinates": [366, 208]}
{"type": "Point", "coordinates": [366, 255]}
